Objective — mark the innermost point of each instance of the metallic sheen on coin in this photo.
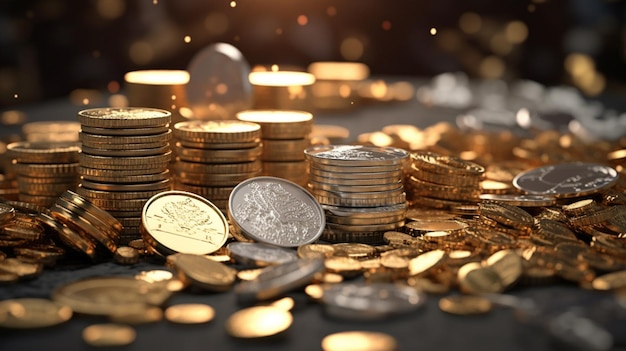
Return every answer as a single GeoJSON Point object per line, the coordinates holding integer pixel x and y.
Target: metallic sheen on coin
{"type": "Point", "coordinates": [179, 221]}
{"type": "Point", "coordinates": [566, 180]}
{"type": "Point", "coordinates": [276, 211]}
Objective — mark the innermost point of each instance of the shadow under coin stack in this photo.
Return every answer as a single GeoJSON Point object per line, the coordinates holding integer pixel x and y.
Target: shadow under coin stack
{"type": "Point", "coordinates": [44, 170]}
{"type": "Point", "coordinates": [360, 189]}
{"type": "Point", "coordinates": [124, 161]}
{"type": "Point", "coordinates": [444, 182]}
{"type": "Point", "coordinates": [214, 156]}
{"type": "Point", "coordinates": [285, 136]}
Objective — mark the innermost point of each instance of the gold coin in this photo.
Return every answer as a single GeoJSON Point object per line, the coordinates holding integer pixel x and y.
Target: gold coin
{"type": "Point", "coordinates": [280, 124]}
{"type": "Point", "coordinates": [203, 272]}
{"type": "Point", "coordinates": [610, 281]}
{"type": "Point", "coordinates": [475, 279]}
{"type": "Point", "coordinates": [258, 322]}
{"type": "Point", "coordinates": [31, 313]}
{"type": "Point", "coordinates": [126, 255]}
{"type": "Point", "coordinates": [109, 335]}
{"type": "Point", "coordinates": [43, 152]}
{"type": "Point", "coordinates": [315, 250]}
{"type": "Point", "coordinates": [426, 261]}
{"type": "Point", "coordinates": [191, 313]}
{"type": "Point", "coordinates": [226, 131]}
{"type": "Point", "coordinates": [141, 315]}
{"type": "Point", "coordinates": [465, 304]}
{"type": "Point", "coordinates": [359, 341]}
{"type": "Point", "coordinates": [128, 117]}
{"type": "Point", "coordinates": [508, 265]}
{"type": "Point", "coordinates": [23, 270]}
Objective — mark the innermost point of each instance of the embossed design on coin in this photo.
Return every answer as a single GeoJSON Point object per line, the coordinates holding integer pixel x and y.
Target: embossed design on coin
{"type": "Point", "coordinates": [276, 211]}
{"type": "Point", "coordinates": [184, 222]}
{"type": "Point", "coordinates": [566, 180]}
{"type": "Point", "coordinates": [363, 155]}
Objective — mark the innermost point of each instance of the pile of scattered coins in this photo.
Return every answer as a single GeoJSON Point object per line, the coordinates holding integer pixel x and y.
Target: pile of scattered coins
{"type": "Point", "coordinates": [551, 223]}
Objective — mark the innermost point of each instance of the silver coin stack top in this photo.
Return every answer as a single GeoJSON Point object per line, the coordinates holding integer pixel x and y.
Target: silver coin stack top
{"type": "Point", "coordinates": [214, 156]}
{"type": "Point", "coordinates": [360, 189]}
{"type": "Point", "coordinates": [124, 161]}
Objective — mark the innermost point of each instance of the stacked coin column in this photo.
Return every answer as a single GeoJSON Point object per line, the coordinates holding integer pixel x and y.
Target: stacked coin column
{"type": "Point", "coordinates": [285, 136]}
{"type": "Point", "coordinates": [214, 156]}
{"type": "Point", "coordinates": [124, 161]}
{"type": "Point", "coordinates": [44, 170]}
{"type": "Point", "coordinates": [360, 189]}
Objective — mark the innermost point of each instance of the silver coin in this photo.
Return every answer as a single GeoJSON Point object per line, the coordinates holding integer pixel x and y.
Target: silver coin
{"type": "Point", "coordinates": [260, 255]}
{"type": "Point", "coordinates": [356, 155]}
{"type": "Point", "coordinates": [566, 180]}
{"type": "Point", "coordinates": [218, 85]}
{"type": "Point", "coordinates": [363, 301]}
{"type": "Point", "coordinates": [274, 281]}
{"type": "Point", "coordinates": [276, 211]}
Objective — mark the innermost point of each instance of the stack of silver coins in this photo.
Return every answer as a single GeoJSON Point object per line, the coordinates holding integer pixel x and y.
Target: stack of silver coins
{"type": "Point", "coordinates": [124, 161]}
{"type": "Point", "coordinates": [214, 156]}
{"type": "Point", "coordinates": [360, 189]}
{"type": "Point", "coordinates": [44, 170]}
{"type": "Point", "coordinates": [285, 136]}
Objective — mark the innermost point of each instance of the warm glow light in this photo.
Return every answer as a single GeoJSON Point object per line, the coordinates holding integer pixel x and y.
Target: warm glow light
{"type": "Point", "coordinates": [491, 67]}
{"type": "Point", "coordinates": [187, 39]}
{"type": "Point", "coordinates": [433, 31]}
{"type": "Point", "coordinates": [113, 87]}
{"type": "Point", "coordinates": [303, 20]}
{"type": "Point", "coordinates": [85, 101]}
{"type": "Point", "coordinates": [386, 25]}
{"type": "Point", "coordinates": [470, 22]}
{"type": "Point", "coordinates": [158, 77]}
{"type": "Point", "coordinates": [233, 4]}
{"type": "Point", "coordinates": [500, 45]}
{"type": "Point", "coordinates": [274, 116]}
{"type": "Point", "coordinates": [141, 52]}
{"type": "Point", "coordinates": [352, 49]}
{"type": "Point", "coordinates": [111, 9]}
{"type": "Point", "coordinates": [281, 78]}
{"type": "Point", "coordinates": [579, 64]}
{"type": "Point", "coordinates": [339, 70]}
{"type": "Point", "coordinates": [274, 68]}
{"type": "Point", "coordinates": [516, 32]}
{"type": "Point", "coordinates": [331, 11]}
{"type": "Point", "coordinates": [15, 96]}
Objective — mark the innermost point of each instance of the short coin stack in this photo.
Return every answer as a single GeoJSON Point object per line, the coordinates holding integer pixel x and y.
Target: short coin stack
{"type": "Point", "coordinates": [360, 189]}
{"type": "Point", "coordinates": [285, 136]}
{"type": "Point", "coordinates": [445, 182]}
{"type": "Point", "coordinates": [44, 170]}
{"type": "Point", "coordinates": [124, 161]}
{"type": "Point", "coordinates": [214, 156]}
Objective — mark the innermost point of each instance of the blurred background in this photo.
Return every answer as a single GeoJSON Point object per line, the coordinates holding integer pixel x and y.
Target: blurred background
{"type": "Point", "coordinates": [49, 48]}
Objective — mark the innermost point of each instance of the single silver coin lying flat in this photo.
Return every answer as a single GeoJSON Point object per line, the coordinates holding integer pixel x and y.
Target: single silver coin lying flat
{"type": "Point", "coordinates": [362, 301]}
{"type": "Point", "coordinates": [260, 255]}
{"type": "Point", "coordinates": [274, 281]}
{"type": "Point", "coordinates": [276, 211]}
{"type": "Point", "coordinates": [356, 155]}
{"type": "Point", "coordinates": [566, 180]}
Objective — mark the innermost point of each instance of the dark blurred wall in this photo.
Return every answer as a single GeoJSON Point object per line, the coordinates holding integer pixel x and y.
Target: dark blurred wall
{"type": "Point", "coordinates": [50, 47]}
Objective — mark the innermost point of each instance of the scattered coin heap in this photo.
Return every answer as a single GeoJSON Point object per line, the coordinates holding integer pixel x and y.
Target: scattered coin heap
{"type": "Point", "coordinates": [557, 223]}
{"type": "Point", "coordinates": [285, 135]}
{"type": "Point", "coordinates": [360, 189]}
{"type": "Point", "coordinates": [214, 156]}
{"type": "Point", "coordinates": [44, 170]}
{"type": "Point", "coordinates": [124, 161]}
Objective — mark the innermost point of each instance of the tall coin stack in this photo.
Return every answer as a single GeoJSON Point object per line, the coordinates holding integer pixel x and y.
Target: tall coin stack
{"type": "Point", "coordinates": [285, 136]}
{"type": "Point", "coordinates": [445, 182]}
{"type": "Point", "coordinates": [124, 161]}
{"type": "Point", "coordinates": [214, 156]}
{"type": "Point", "coordinates": [44, 170]}
{"type": "Point", "coordinates": [360, 189]}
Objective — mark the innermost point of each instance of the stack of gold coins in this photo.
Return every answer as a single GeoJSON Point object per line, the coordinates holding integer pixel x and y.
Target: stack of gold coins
{"type": "Point", "coordinates": [445, 182]}
{"type": "Point", "coordinates": [214, 156]}
{"type": "Point", "coordinates": [285, 136]}
{"type": "Point", "coordinates": [360, 189]}
{"type": "Point", "coordinates": [124, 161]}
{"type": "Point", "coordinates": [44, 170]}
{"type": "Point", "coordinates": [98, 232]}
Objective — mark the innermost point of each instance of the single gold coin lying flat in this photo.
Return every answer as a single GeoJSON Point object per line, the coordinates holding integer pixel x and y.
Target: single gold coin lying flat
{"type": "Point", "coordinates": [31, 313]}
{"type": "Point", "coordinates": [464, 304]}
{"type": "Point", "coordinates": [191, 313]}
{"type": "Point", "coordinates": [359, 341]}
{"type": "Point", "coordinates": [258, 322]}
{"type": "Point", "coordinates": [109, 334]}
